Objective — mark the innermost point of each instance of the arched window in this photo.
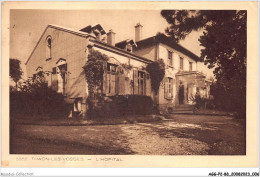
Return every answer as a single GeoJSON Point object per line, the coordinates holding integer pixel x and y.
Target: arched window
{"type": "Point", "coordinates": [48, 48]}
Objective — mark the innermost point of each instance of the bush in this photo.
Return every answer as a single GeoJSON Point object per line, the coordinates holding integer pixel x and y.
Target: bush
{"type": "Point", "coordinates": [35, 99]}
{"type": "Point", "coordinates": [200, 102]}
{"type": "Point", "coordinates": [203, 102]}
{"type": "Point", "coordinates": [231, 97]}
{"type": "Point", "coordinates": [140, 104]}
{"type": "Point", "coordinates": [210, 104]}
{"type": "Point", "coordinates": [121, 105]}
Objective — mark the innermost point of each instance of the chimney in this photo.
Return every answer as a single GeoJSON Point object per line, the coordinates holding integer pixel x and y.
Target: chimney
{"type": "Point", "coordinates": [111, 37]}
{"type": "Point", "coordinates": [138, 32]}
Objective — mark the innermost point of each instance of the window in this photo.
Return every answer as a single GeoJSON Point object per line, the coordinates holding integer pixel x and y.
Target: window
{"type": "Point", "coordinates": [111, 79]}
{"type": "Point", "coordinates": [48, 48]}
{"type": "Point", "coordinates": [54, 71]}
{"type": "Point", "coordinates": [168, 88]}
{"type": "Point", "coordinates": [63, 69]}
{"type": "Point", "coordinates": [49, 42]}
{"type": "Point", "coordinates": [141, 83]}
{"type": "Point", "coordinates": [111, 67]}
{"type": "Point", "coordinates": [40, 74]}
{"type": "Point", "coordinates": [170, 63]}
{"type": "Point", "coordinates": [181, 63]}
{"type": "Point", "coordinates": [190, 66]}
{"type": "Point", "coordinates": [62, 78]}
{"type": "Point", "coordinates": [128, 48]}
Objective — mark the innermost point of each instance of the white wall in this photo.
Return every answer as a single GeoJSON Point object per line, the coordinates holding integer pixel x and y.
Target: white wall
{"type": "Point", "coordinates": [67, 46]}
{"type": "Point", "coordinates": [163, 53]}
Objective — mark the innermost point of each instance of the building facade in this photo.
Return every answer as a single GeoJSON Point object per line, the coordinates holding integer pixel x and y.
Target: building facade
{"type": "Point", "coordinates": [182, 80]}
{"type": "Point", "coordinates": [62, 53]}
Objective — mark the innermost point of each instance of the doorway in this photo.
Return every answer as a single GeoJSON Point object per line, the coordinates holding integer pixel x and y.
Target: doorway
{"type": "Point", "coordinates": [181, 94]}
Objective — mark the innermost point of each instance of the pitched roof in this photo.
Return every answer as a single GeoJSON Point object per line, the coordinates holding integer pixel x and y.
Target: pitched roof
{"type": "Point", "coordinates": [80, 33]}
{"type": "Point", "coordinates": [161, 38]}
{"type": "Point", "coordinates": [90, 29]}
{"type": "Point", "coordinates": [123, 43]}
{"type": "Point", "coordinates": [119, 50]}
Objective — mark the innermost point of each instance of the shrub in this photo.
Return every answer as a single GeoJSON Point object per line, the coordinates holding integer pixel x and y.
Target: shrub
{"type": "Point", "coordinates": [210, 104]}
{"type": "Point", "coordinates": [199, 102]}
{"type": "Point", "coordinates": [122, 105]}
{"type": "Point", "coordinates": [36, 99]}
{"type": "Point", "coordinates": [140, 104]}
{"type": "Point", "coordinates": [203, 102]}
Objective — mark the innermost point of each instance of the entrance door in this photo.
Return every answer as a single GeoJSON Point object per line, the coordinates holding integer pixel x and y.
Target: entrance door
{"type": "Point", "coordinates": [181, 94]}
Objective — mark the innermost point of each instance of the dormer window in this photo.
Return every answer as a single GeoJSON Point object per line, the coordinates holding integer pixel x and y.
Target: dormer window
{"type": "Point", "coordinates": [126, 45]}
{"type": "Point", "coordinates": [129, 48]}
{"type": "Point", "coordinates": [97, 30]}
{"type": "Point", "coordinates": [48, 47]}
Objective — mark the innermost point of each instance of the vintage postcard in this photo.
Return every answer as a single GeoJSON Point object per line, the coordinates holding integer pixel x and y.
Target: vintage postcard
{"type": "Point", "coordinates": [129, 84]}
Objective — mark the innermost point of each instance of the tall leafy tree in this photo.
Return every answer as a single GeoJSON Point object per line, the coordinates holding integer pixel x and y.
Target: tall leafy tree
{"type": "Point", "coordinates": [15, 70]}
{"type": "Point", "coordinates": [224, 48]}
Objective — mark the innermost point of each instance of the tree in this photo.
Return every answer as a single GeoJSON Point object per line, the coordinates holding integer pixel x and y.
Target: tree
{"type": "Point", "coordinates": [224, 48]}
{"type": "Point", "coordinates": [15, 70]}
{"type": "Point", "coordinates": [156, 70]}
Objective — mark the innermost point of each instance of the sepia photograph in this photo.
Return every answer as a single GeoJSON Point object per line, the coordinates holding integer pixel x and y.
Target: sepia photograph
{"type": "Point", "coordinates": [152, 82]}
{"type": "Point", "coordinates": [85, 83]}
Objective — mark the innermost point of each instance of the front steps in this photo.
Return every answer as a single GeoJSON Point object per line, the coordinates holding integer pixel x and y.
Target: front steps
{"type": "Point", "coordinates": [182, 109]}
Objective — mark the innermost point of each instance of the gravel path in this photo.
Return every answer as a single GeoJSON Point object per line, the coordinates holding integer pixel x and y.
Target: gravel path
{"type": "Point", "coordinates": [180, 135]}
{"type": "Point", "coordinates": [146, 139]}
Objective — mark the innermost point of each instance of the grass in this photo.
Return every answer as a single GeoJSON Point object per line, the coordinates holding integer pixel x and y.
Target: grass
{"type": "Point", "coordinates": [83, 122]}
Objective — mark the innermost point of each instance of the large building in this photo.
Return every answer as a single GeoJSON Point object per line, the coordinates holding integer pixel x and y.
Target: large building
{"type": "Point", "coordinates": [63, 52]}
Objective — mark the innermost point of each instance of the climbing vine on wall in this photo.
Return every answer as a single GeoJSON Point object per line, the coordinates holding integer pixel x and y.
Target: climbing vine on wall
{"type": "Point", "coordinates": [94, 70]}
{"type": "Point", "coordinates": [156, 70]}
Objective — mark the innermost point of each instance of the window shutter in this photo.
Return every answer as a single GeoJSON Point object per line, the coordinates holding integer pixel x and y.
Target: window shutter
{"type": "Point", "coordinates": [121, 81]}
{"type": "Point", "coordinates": [54, 82]}
{"type": "Point", "coordinates": [108, 84]}
{"type": "Point", "coordinates": [166, 87]}
{"type": "Point", "coordinates": [104, 89]}
{"type": "Point", "coordinates": [113, 84]}
{"type": "Point", "coordinates": [135, 82]}
{"type": "Point", "coordinates": [148, 84]}
{"type": "Point", "coordinates": [172, 88]}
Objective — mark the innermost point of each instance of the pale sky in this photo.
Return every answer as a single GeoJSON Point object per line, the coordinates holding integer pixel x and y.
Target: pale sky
{"type": "Point", "coordinates": [26, 27]}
